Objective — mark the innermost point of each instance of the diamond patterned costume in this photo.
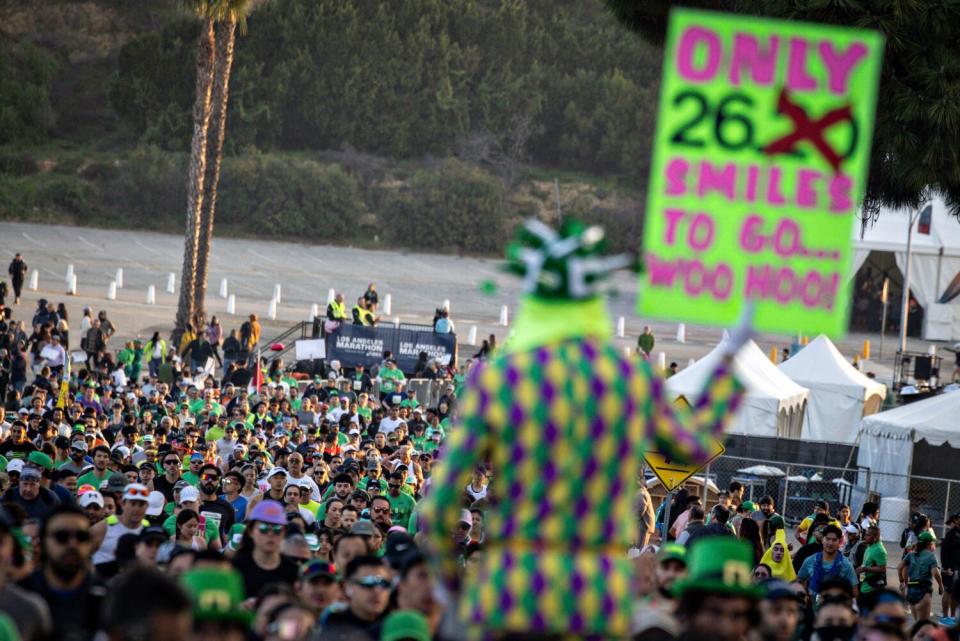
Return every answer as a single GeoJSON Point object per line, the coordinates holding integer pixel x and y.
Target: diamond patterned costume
{"type": "Point", "coordinates": [563, 418]}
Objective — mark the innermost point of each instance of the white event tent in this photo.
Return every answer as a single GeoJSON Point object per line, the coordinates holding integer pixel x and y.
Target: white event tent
{"type": "Point", "coordinates": [887, 438]}
{"type": "Point", "coordinates": [840, 395]}
{"type": "Point", "coordinates": [934, 264]}
{"type": "Point", "coordinates": [773, 405]}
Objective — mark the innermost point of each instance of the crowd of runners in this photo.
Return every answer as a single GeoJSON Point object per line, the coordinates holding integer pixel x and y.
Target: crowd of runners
{"type": "Point", "coordinates": [149, 494]}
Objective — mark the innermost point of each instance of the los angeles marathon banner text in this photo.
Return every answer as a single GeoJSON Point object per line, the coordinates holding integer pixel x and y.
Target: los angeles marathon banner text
{"type": "Point", "coordinates": [354, 345]}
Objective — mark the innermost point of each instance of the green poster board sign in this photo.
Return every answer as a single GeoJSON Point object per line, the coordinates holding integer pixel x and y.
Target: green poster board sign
{"type": "Point", "coordinates": [760, 162]}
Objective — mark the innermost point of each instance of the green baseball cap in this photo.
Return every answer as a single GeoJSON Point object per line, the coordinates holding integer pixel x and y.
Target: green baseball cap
{"type": "Point", "coordinates": [672, 552]}
{"type": "Point", "coordinates": [749, 505]}
{"type": "Point", "coordinates": [927, 537]}
{"type": "Point", "coordinates": [217, 595]}
{"type": "Point", "coordinates": [405, 624]}
{"type": "Point", "coordinates": [722, 565]}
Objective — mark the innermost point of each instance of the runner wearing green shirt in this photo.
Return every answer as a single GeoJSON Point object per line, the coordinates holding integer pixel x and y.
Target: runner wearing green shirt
{"type": "Point", "coordinates": [432, 443]}
{"type": "Point", "coordinates": [918, 570]}
{"type": "Point", "coordinates": [100, 471]}
{"type": "Point", "coordinates": [873, 571]}
{"type": "Point", "coordinates": [391, 381]}
{"type": "Point", "coordinates": [191, 501]}
{"type": "Point", "coordinates": [401, 503]}
{"type": "Point", "coordinates": [411, 400]}
{"type": "Point", "coordinates": [192, 475]}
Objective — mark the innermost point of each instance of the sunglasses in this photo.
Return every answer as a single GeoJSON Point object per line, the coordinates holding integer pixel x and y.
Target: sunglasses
{"type": "Point", "coordinates": [63, 536]}
{"type": "Point", "coordinates": [144, 492]}
{"type": "Point", "coordinates": [265, 528]}
{"type": "Point", "coordinates": [373, 581]}
{"type": "Point", "coordinates": [209, 477]}
{"type": "Point", "coordinates": [381, 510]}
{"type": "Point", "coordinates": [393, 486]}
{"type": "Point", "coordinates": [172, 461]}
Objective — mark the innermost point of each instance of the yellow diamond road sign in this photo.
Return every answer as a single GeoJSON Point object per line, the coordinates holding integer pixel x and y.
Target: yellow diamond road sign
{"type": "Point", "coordinates": [673, 474]}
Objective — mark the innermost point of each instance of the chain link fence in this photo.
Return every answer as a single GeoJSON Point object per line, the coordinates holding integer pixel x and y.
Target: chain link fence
{"type": "Point", "coordinates": [796, 486]}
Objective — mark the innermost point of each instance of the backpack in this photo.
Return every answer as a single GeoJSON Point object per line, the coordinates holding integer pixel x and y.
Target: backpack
{"type": "Point", "coordinates": [904, 537]}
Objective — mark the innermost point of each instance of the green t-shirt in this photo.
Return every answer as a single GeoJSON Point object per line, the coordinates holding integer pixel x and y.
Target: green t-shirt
{"type": "Point", "coordinates": [191, 478]}
{"type": "Point", "coordinates": [390, 378]}
{"type": "Point", "coordinates": [401, 507]}
{"type": "Point", "coordinates": [209, 533]}
{"type": "Point", "coordinates": [90, 478]}
{"type": "Point", "coordinates": [197, 406]}
{"type": "Point", "coordinates": [874, 556]}
{"type": "Point", "coordinates": [214, 434]}
{"type": "Point", "coordinates": [412, 403]}
{"type": "Point", "coordinates": [920, 568]}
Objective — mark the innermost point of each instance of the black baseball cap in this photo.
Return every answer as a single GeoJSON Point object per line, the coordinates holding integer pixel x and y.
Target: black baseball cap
{"type": "Point", "coordinates": [153, 533]}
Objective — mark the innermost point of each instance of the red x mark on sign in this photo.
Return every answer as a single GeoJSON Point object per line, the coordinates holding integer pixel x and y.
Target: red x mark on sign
{"type": "Point", "coordinates": [808, 129]}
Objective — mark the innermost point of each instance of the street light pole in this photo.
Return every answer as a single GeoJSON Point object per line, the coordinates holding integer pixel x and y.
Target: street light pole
{"type": "Point", "coordinates": [905, 299]}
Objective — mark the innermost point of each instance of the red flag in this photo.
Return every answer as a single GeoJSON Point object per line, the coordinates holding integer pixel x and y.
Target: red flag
{"type": "Point", "coordinates": [926, 216]}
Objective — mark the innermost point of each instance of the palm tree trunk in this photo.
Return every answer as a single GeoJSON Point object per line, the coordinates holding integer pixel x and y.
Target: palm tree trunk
{"type": "Point", "coordinates": [196, 173]}
{"type": "Point", "coordinates": [226, 37]}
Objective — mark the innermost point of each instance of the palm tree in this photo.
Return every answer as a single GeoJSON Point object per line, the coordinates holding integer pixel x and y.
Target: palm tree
{"type": "Point", "coordinates": [208, 11]}
{"type": "Point", "coordinates": [235, 13]}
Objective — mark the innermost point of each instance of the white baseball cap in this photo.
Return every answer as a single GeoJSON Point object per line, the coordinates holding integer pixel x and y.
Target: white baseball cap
{"type": "Point", "coordinates": [90, 498]}
{"type": "Point", "coordinates": [155, 503]}
{"type": "Point", "coordinates": [275, 471]}
{"type": "Point", "coordinates": [136, 492]}
{"type": "Point", "coordinates": [189, 494]}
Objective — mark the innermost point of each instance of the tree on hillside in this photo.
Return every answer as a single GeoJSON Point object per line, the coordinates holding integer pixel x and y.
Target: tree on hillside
{"type": "Point", "coordinates": [235, 14]}
{"type": "Point", "coordinates": [917, 130]}
{"type": "Point", "coordinates": [208, 11]}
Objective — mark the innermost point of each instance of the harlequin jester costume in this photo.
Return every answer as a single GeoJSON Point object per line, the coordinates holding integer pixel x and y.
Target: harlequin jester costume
{"type": "Point", "coordinates": [563, 418]}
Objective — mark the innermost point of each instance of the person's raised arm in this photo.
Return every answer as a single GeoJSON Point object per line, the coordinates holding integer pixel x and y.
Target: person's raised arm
{"type": "Point", "coordinates": [687, 435]}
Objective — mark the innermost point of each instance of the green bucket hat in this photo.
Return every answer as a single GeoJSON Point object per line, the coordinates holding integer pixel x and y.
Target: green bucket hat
{"type": "Point", "coordinates": [721, 565]}
{"type": "Point", "coordinates": [40, 460]}
{"type": "Point", "coordinates": [217, 595]}
{"type": "Point", "coordinates": [405, 624]}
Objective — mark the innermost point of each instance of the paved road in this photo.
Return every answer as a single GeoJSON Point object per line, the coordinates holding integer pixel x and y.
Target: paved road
{"type": "Point", "coordinates": [417, 282]}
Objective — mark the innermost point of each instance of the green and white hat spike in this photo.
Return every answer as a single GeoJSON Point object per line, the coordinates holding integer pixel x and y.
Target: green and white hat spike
{"type": "Point", "coordinates": [562, 265]}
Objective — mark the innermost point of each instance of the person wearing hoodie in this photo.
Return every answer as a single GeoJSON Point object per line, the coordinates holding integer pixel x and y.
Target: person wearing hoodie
{"type": "Point", "coordinates": [777, 558]}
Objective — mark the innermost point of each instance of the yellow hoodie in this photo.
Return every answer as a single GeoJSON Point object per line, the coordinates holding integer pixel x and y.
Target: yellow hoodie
{"type": "Point", "coordinates": [784, 569]}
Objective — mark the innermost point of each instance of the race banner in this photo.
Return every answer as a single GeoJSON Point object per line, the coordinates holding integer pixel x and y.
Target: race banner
{"type": "Point", "coordinates": [760, 162]}
{"type": "Point", "coordinates": [439, 347]}
{"type": "Point", "coordinates": [354, 345]}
